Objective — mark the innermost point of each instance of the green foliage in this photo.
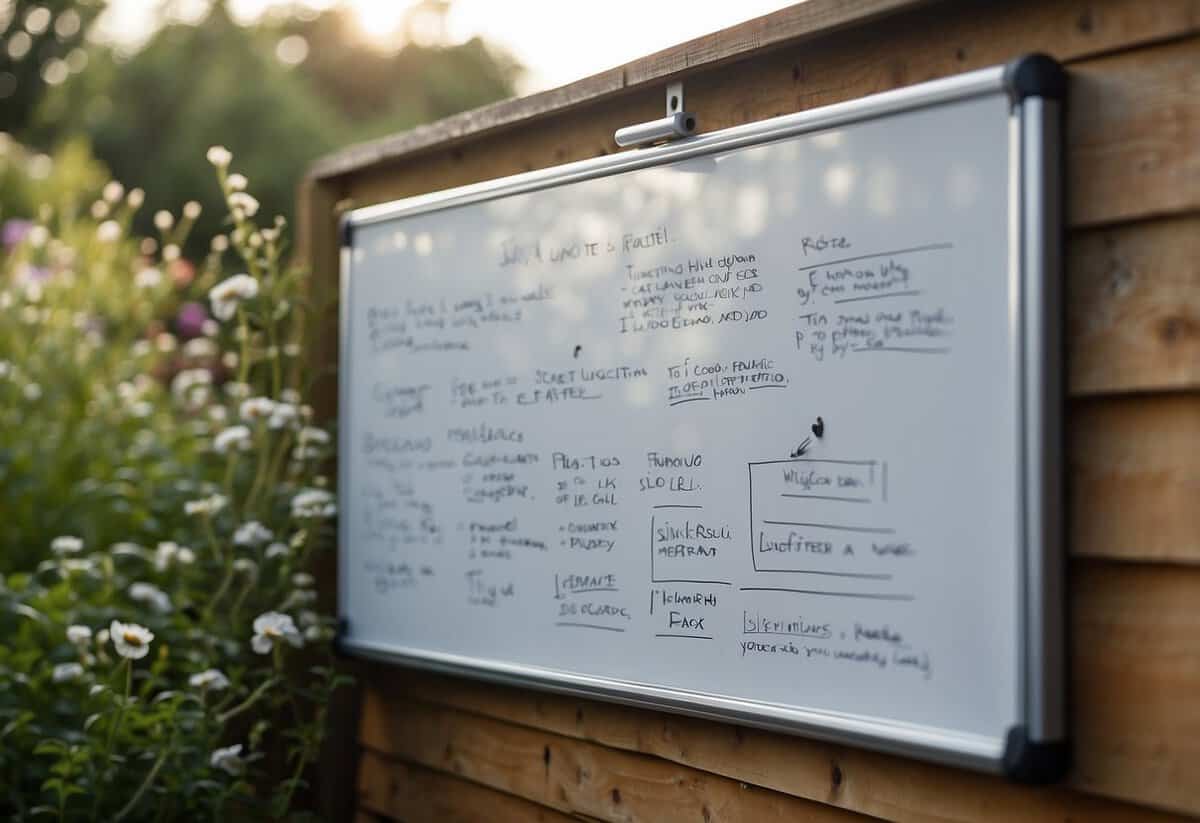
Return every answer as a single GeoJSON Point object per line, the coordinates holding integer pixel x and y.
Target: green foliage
{"type": "Point", "coordinates": [160, 478]}
{"type": "Point", "coordinates": [150, 115]}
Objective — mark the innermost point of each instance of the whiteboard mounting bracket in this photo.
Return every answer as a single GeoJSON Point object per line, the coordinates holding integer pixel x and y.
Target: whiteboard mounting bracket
{"type": "Point", "coordinates": [677, 123]}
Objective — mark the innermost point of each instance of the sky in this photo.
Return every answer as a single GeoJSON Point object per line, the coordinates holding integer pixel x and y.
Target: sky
{"type": "Point", "coordinates": [559, 41]}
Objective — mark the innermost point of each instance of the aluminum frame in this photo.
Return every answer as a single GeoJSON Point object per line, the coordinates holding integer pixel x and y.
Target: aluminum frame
{"type": "Point", "coordinates": [1035, 274]}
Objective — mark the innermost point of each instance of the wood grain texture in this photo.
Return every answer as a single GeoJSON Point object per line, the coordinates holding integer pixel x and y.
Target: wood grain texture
{"type": "Point", "coordinates": [567, 774]}
{"type": "Point", "coordinates": [1136, 639]}
{"type": "Point", "coordinates": [1133, 130]}
{"type": "Point", "coordinates": [834, 53]}
{"type": "Point", "coordinates": [1134, 481]}
{"type": "Point", "coordinates": [1133, 307]}
{"type": "Point", "coordinates": [418, 795]}
{"type": "Point", "coordinates": [1135, 671]}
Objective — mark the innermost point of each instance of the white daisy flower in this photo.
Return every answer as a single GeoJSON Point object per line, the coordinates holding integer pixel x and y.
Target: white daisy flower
{"type": "Point", "coordinates": [219, 156]}
{"type": "Point", "coordinates": [303, 580]}
{"type": "Point", "coordinates": [226, 295]}
{"type": "Point", "coordinates": [163, 220]}
{"type": "Point", "coordinates": [228, 759]}
{"type": "Point", "coordinates": [277, 549]}
{"type": "Point", "coordinates": [130, 640]}
{"type": "Point", "coordinates": [256, 408]}
{"type": "Point", "coordinates": [271, 628]}
{"type": "Point", "coordinates": [65, 672]}
{"type": "Point", "coordinates": [284, 414]}
{"type": "Point", "coordinates": [209, 680]}
{"type": "Point", "coordinates": [252, 533]}
{"type": "Point", "coordinates": [191, 210]}
{"type": "Point", "coordinates": [66, 544]}
{"type": "Point", "coordinates": [237, 182]}
{"type": "Point", "coordinates": [313, 503]}
{"type": "Point", "coordinates": [151, 595]}
{"type": "Point", "coordinates": [136, 198]}
{"type": "Point", "coordinates": [234, 437]}
{"type": "Point", "coordinates": [237, 390]}
{"type": "Point", "coordinates": [200, 347]}
{"type": "Point", "coordinates": [246, 566]}
{"type": "Point", "coordinates": [168, 552]}
{"type": "Point", "coordinates": [206, 506]}
{"type": "Point", "coordinates": [79, 635]}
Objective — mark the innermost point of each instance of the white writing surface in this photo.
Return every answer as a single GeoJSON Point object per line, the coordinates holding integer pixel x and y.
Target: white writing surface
{"type": "Point", "coordinates": [740, 427]}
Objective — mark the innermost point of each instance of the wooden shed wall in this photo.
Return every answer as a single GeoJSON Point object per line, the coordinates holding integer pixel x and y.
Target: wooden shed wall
{"type": "Point", "coordinates": [439, 748]}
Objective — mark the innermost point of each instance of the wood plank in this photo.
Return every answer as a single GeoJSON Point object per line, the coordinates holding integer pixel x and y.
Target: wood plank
{"type": "Point", "coordinates": [568, 774]}
{"type": "Point", "coordinates": [419, 795]}
{"type": "Point", "coordinates": [1137, 683]}
{"type": "Point", "coordinates": [837, 51]}
{"type": "Point", "coordinates": [1134, 479]}
{"type": "Point", "coordinates": [1134, 134]}
{"type": "Point", "coordinates": [1133, 307]}
{"type": "Point", "coordinates": [1135, 672]}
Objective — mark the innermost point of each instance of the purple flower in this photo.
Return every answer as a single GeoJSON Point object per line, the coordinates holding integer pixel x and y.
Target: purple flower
{"type": "Point", "coordinates": [190, 320]}
{"type": "Point", "coordinates": [14, 231]}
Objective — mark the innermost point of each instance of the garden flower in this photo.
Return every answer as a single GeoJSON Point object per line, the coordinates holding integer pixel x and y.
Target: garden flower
{"type": "Point", "coordinates": [310, 436]}
{"type": "Point", "coordinates": [236, 182]}
{"type": "Point", "coordinates": [284, 414]}
{"type": "Point", "coordinates": [246, 566]}
{"type": "Point", "coordinates": [191, 210]}
{"type": "Point", "coordinates": [228, 759]}
{"type": "Point", "coordinates": [99, 210]}
{"type": "Point", "coordinates": [147, 278]}
{"type": "Point", "coordinates": [66, 544]}
{"type": "Point", "coordinates": [65, 672]}
{"type": "Point", "coordinates": [243, 202]}
{"type": "Point", "coordinates": [226, 295]}
{"type": "Point", "coordinates": [256, 408]}
{"type": "Point", "coordinates": [79, 635]}
{"type": "Point", "coordinates": [313, 503]}
{"type": "Point", "coordinates": [252, 533]}
{"type": "Point", "coordinates": [163, 220]}
{"type": "Point", "coordinates": [219, 156]}
{"type": "Point", "coordinates": [236, 390]}
{"type": "Point", "coordinates": [199, 347]}
{"type": "Point", "coordinates": [171, 253]}
{"type": "Point", "coordinates": [207, 506]}
{"type": "Point", "coordinates": [14, 231]}
{"type": "Point", "coordinates": [136, 198]}
{"type": "Point", "coordinates": [219, 243]}
{"type": "Point", "coordinates": [190, 320]}
{"type": "Point", "coordinates": [233, 437]}
{"type": "Point", "coordinates": [302, 580]}
{"type": "Point", "coordinates": [209, 680]}
{"type": "Point", "coordinates": [113, 191]}
{"type": "Point", "coordinates": [109, 231]}
{"type": "Point", "coordinates": [131, 640]}
{"type": "Point", "coordinates": [277, 549]}
{"type": "Point", "coordinates": [271, 628]}
{"type": "Point", "coordinates": [151, 595]}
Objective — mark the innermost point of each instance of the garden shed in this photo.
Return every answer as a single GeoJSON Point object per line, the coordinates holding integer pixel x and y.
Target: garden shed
{"type": "Point", "coordinates": [419, 746]}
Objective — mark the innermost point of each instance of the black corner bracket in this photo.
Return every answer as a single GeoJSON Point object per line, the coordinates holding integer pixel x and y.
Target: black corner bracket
{"type": "Point", "coordinates": [1035, 75]}
{"type": "Point", "coordinates": [1039, 763]}
{"type": "Point", "coordinates": [343, 628]}
{"type": "Point", "coordinates": [345, 232]}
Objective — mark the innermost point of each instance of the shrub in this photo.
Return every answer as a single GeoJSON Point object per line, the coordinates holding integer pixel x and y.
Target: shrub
{"type": "Point", "coordinates": [163, 499]}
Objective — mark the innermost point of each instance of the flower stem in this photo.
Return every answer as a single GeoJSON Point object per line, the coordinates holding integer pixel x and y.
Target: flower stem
{"type": "Point", "coordinates": [153, 773]}
{"type": "Point", "coordinates": [248, 702]}
{"type": "Point", "coordinates": [112, 731]}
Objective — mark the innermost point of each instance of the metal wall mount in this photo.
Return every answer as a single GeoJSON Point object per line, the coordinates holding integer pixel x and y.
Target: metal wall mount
{"type": "Point", "coordinates": [677, 123]}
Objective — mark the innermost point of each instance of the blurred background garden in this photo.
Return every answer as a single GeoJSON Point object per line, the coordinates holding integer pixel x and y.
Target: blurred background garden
{"type": "Point", "coordinates": [166, 487]}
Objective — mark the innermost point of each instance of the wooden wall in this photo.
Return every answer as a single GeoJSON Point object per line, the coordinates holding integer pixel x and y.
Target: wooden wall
{"type": "Point", "coordinates": [437, 748]}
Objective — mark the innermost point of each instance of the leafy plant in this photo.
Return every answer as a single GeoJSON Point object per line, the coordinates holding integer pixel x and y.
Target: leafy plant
{"type": "Point", "coordinates": [161, 652]}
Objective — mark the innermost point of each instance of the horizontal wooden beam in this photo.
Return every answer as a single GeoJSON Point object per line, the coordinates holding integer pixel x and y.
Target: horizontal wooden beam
{"type": "Point", "coordinates": [824, 51]}
{"type": "Point", "coordinates": [419, 795]}
{"type": "Point", "coordinates": [1133, 307]}
{"type": "Point", "coordinates": [568, 774]}
{"type": "Point", "coordinates": [1134, 480]}
{"type": "Point", "coordinates": [1135, 672]}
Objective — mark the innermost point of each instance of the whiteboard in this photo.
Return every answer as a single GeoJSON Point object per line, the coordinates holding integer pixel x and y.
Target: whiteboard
{"type": "Point", "coordinates": [761, 426]}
